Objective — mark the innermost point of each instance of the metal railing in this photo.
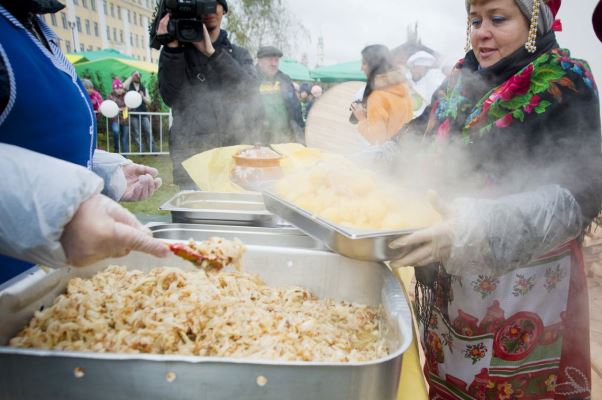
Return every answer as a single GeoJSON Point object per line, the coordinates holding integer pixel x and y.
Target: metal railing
{"type": "Point", "coordinates": [143, 133]}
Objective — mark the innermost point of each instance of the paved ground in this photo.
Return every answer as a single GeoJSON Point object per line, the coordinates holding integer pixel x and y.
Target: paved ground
{"type": "Point", "coordinates": [595, 295]}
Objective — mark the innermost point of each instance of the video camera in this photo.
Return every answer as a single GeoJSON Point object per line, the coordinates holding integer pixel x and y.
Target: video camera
{"type": "Point", "coordinates": [185, 24]}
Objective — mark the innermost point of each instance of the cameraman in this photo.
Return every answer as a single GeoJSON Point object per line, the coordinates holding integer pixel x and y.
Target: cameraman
{"type": "Point", "coordinates": [210, 87]}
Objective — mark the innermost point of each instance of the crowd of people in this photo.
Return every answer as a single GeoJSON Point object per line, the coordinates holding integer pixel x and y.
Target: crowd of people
{"type": "Point", "coordinates": [501, 295]}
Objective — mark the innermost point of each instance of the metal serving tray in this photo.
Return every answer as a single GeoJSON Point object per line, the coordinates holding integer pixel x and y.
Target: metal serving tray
{"type": "Point", "coordinates": [360, 244]}
{"type": "Point", "coordinates": [246, 209]}
{"type": "Point", "coordinates": [41, 374]}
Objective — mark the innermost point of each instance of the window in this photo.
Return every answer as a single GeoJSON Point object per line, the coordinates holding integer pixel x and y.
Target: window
{"type": "Point", "coordinates": [53, 19]}
{"type": "Point", "coordinates": [79, 24]}
{"type": "Point", "coordinates": [108, 33]}
{"type": "Point", "coordinates": [88, 27]}
{"type": "Point", "coordinates": [68, 46]}
{"type": "Point", "coordinates": [93, 4]}
{"type": "Point", "coordinates": [64, 20]}
{"type": "Point", "coordinates": [105, 7]}
{"type": "Point", "coordinates": [121, 35]}
{"type": "Point", "coordinates": [75, 2]}
{"type": "Point", "coordinates": [131, 39]}
{"type": "Point", "coordinates": [85, 3]}
{"type": "Point", "coordinates": [147, 4]}
{"type": "Point", "coordinates": [118, 12]}
{"type": "Point", "coordinates": [114, 34]}
{"type": "Point", "coordinates": [137, 42]}
{"type": "Point", "coordinates": [129, 16]}
{"type": "Point", "coordinates": [112, 10]}
{"type": "Point", "coordinates": [135, 18]}
{"type": "Point", "coordinates": [96, 29]}
{"type": "Point", "coordinates": [82, 47]}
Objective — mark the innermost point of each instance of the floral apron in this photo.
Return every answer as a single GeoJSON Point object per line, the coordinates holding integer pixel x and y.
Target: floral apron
{"type": "Point", "coordinates": [523, 335]}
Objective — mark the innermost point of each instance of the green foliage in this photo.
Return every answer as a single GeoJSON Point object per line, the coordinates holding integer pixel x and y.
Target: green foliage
{"type": "Point", "coordinates": [256, 23]}
{"type": "Point", "coordinates": [98, 83]}
{"type": "Point", "coordinates": [157, 104]}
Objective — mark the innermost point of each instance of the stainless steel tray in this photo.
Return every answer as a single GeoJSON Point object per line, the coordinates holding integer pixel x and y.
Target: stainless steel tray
{"type": "Point", "coordinates": [37, 374]}
{"type": "Point", "coordinates": [367, 245]}
{"type": "Point", "coordinates": [246, 209]}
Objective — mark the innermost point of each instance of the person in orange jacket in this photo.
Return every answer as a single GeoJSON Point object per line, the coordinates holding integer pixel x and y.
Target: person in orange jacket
{"type": "Point", "coordinates": [387, 104]}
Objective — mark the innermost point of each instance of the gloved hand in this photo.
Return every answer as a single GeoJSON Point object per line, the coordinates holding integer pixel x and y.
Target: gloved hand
{"type": "Point", "coordinates": [428, 245]}
{"type": "Point", "coordinates": [142, 182]}
{"type": "Point", "coordinates": [495, 236]}
{"type": "Point", "coordinates": [101, 228]}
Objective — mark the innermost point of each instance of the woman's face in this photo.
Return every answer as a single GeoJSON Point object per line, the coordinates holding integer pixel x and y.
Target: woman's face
{"type": "Point", "coordinates": [498, 30]}
{"type": "Point", "coordinates": [365, 68]}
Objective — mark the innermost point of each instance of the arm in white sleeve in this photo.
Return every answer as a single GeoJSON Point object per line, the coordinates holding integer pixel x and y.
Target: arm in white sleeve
{"type": "Point", "coordinates": [108, 167]}
{"type": "Point", "coordinates": [40, 195]}
{"type": "Point", "coordinates": [497, 236]}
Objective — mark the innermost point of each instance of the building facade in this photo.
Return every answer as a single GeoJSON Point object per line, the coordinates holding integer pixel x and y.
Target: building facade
{"type": "Point", "coordinates": [86, 25]}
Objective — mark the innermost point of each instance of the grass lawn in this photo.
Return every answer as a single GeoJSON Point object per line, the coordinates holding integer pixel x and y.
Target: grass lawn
{"type": "Point", "coordinates": [165, 192]}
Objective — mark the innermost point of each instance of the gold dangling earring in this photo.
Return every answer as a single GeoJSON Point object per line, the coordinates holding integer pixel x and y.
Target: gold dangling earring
{"type": "Point", "coordinates": [530, 45]}
{"type": "Point", "coordinates": [467, 46]}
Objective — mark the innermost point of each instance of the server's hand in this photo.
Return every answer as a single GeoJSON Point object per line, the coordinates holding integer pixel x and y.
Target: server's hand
{"type": "Point", "coordinates": [101, 228]}
{"type": "Point", "coordinates": [428, 245]}
{"type": "Point", "coordinates": [142, 182]}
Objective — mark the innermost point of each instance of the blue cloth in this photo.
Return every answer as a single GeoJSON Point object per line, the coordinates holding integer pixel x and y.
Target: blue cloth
{"type": "Point", "coordinates": [48, 110]}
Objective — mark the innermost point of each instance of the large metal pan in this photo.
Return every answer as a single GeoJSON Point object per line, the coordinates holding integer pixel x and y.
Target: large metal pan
{"type": "Point", "coordinates": [360, 244]}
{"type": "Point", "coordinates": [41, 374]}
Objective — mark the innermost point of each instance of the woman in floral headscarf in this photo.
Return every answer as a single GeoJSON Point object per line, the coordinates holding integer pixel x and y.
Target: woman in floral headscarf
{"type": "Point", "coordinates": [502, 294]}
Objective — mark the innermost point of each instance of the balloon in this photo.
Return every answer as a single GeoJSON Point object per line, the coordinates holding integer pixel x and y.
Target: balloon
{"type": "Point", "coordinates": [109, 108]}
{"type": "Point", "coordinates": [132, 99]}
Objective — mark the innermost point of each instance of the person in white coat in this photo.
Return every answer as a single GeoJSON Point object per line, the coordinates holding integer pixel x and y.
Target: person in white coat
{"type": "Point", "coordinates": [426, 77]}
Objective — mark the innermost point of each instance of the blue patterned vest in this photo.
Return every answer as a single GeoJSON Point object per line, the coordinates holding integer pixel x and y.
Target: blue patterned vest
{"type": "Point", "coordinates": [48, 110]}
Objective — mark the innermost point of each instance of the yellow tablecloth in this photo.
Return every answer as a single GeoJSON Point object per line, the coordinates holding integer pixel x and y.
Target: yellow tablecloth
{"type": "Point", "coordinates": [411, 384]}
{"type": "Point", "coordinates": [211, 169]}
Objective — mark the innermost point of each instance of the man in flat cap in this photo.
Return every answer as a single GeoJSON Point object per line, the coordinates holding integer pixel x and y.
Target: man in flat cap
{"type": "Point", "coordinates": [282, 119]}
{"type": "Point", "coordinates": [208, 85]}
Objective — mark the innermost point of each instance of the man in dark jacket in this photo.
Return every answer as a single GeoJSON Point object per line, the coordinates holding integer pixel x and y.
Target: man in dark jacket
{"type": "Point", "coordinates": [209, 86]}
{"type": "Point", "coordinates": [282, 119]}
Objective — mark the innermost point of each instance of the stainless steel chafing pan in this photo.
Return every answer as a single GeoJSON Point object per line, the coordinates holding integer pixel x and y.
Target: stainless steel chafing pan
{"type": "Point", "coordinates": [41, 374]}
{"type": "Point", "coordinates": [360, 244]}
{"type": "Point", "coordinates": [246, 209]}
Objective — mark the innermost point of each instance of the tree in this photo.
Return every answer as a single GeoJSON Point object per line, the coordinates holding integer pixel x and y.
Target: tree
{"type": "Point", "coordinates": [256, 23]}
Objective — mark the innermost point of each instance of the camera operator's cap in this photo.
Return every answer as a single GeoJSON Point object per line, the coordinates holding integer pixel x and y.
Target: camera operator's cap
{"type": "Point", "coordinates": [268, 51]}
{"type": "Point", "coordinates": [136, 73]}
{"type": "Point", "coordinates": [224, 4]}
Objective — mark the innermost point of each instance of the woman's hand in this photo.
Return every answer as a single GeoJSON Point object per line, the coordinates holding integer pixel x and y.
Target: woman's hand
{"type": "Point", "coordinates": [359, 111]}
{"type": "Point", "coordinates": [426, 246]}
{"type": "Point", "coordinates": [101, 228]}
{"type": "Point", "coordinates": [205, 46]}
{"type": "Point", "coordinates": [162, 30]}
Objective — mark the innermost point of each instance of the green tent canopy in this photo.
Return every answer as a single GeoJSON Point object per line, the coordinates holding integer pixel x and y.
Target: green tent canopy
{"type": "Point", "coordinates": [295, 70]}
{"type": "Point", "coordinates": [76, 58]}
{"type": "Point", "coordinates": [108, 68]}
{"type": "Point", "coordinates": [348, 71]}
{"type": "Point", "coordinates": [104, 53]}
